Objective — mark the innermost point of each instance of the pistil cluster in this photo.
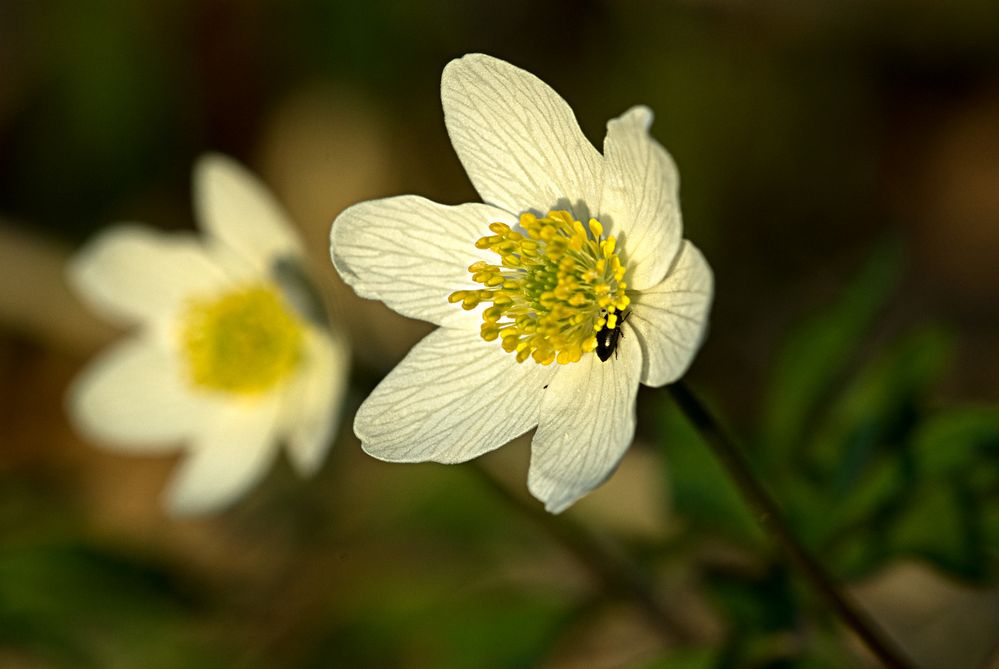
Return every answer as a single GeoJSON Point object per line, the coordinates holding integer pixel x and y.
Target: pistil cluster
{"type": "Point", "coordinates": [556, 285]}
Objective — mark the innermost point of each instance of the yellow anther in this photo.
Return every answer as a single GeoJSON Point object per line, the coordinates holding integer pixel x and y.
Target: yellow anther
{"type": "Point", "coordinates": [557, 282]}
{"type": "Point", "coordinates": [489, 332]}
{"type": "Point", "coordinates": [510, 260]}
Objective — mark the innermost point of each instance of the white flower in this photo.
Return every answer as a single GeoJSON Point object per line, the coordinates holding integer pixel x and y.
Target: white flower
{"type": "Point", "coordinates": [232, 353]}
{"type": "Point", "coordinates": [579, 243]}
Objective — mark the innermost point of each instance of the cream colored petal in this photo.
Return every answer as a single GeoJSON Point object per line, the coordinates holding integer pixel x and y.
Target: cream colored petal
{"type": "Point", "coordinates": [240, 213]}
{"type": "Point", "coordinates": [587, 423]}
{"type": "Point", "coordinates": [412, 253]}
{"type": "Point", "coordinates": [312, 404]}
{"type": "Point", "coordinates": [640, 201]}
{"type": "Point", "coordinates": [671, 318]}
{"type": "Point", "coordinates": [228, 456]}
{"type": "Point", "coordinates": [132, 397]}
{"type": "Point", "coordinates": [518, 139]}
{"type": "Point", "coordinates": [454, 397]}
{"type": "Point", "coordinates": [132, 274]}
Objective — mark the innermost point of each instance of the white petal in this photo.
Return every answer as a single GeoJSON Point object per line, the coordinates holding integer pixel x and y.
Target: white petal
{"type": "Point", "coordinates": [312, 403]}
{"type": "Point", "coordinates": [132, 397]}
{"type": "Point", "coordinates": [670, 319]}
{"type": "Point", "coordinates": [227, 457]}
{"type": "Point", "coordinates": [412, 253]}
{"type": "Point", "coordinates": [132, 274]}
{"type": "Point", "coordinates": [640, 197]}
{"type": "Point", "coordinates": [454, 397]}
{"type": "Point", "coordinates": [587, 423]}
{"type": "Point", "coordinates": [518, 139]}
{"type": "Point", "coordinates": [241, 214]}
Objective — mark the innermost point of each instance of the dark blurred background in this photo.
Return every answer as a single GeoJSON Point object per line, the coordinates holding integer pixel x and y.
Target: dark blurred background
{"type": "Point", "coordinates": [840, 170]}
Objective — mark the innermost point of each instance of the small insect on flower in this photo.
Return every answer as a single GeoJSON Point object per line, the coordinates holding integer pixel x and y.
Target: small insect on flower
{"type": "Point", "coordinates": [608, 337]}
{"type": "Point", "coordinates": [233, 354]}
{"type": "Point", "coordinates": [571, 252]}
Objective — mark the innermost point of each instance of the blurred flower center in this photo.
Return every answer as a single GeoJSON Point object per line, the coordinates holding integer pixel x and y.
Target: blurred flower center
{"type": "Point", "coordinates": [243, 342]}
{"type": "Point", "coordinates": [554, 288]}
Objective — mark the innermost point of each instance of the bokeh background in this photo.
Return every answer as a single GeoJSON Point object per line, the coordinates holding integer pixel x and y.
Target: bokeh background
{"type": "Point", "coordinates": [840, 170]}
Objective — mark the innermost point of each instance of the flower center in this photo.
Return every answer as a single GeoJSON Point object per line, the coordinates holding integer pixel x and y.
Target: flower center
{"type": "Point", "coordinates": [554, 288]}
{"type": "Point", "coordinates": [243, 342]}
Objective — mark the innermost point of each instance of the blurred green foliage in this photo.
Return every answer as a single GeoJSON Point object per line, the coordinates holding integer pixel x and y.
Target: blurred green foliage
{"type": "Point", "coordinates": [867, 469]}
{"type": "Point", "coordinates": [77, 605]}
{"type": "Point", "coordinates": [424, 624]}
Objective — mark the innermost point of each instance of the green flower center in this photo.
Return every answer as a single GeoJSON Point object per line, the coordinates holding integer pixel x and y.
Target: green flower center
{"type": "Point", "coordinates": [243, 342]}
{"type": "Point", "coordinates": [552, 290]}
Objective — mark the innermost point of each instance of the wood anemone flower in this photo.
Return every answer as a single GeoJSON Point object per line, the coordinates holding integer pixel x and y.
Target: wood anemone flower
{"type": "Point", "coordinates": [571, 285]}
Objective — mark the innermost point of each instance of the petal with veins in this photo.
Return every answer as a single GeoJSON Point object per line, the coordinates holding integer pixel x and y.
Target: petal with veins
{"type": "Point", "coordinates": [640, 201]}
{"type": "Point", "coordinates": [587, 423]}
{"type": "Point", "coordinates": [518, 139]}
{"type": "Point", "coordinates": [411, 253]}
{"type": "Point", "coordinates": [454, 397]}
{"type": "Point", "coordinates": [670, 319]}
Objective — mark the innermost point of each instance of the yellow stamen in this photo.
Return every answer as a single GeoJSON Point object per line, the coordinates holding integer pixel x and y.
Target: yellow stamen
{"type": "Point", "coordinates": [244, 342]}
{"type": "Point", "coordinates": [554, 287]}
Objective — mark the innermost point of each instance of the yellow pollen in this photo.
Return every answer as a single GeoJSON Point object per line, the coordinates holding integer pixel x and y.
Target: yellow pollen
{"type": "Point", "coordinates": [555, 286]}
{"type": "Point", "coordinates": [244, 342]}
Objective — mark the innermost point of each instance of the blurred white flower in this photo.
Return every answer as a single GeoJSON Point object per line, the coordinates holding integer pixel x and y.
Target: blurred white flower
{"type": "Point", "coordinates": [232, 352]}
{"type": "Point", "coordinates": [585, 267]}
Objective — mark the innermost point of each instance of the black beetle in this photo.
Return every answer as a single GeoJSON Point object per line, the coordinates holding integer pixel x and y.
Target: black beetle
{"type": "Point", "coordinates": [607, 338]}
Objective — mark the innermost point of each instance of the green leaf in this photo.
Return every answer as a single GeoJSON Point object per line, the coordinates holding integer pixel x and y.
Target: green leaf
{"type": "Point", "coordinates": [857, 460]}
{"type": "Point", "coordinates": [880, 407]}
{"type": "Point", "coordinates": [960, 447]}
{"type": "Point", "coordinates": [755, 603]}
{"type": "Point", "coordinates": [764, 613]}
{"type": "Point", "coordinates": [818, 354]}
{"type": "Point", "coordinates": [939, 526]}
{"type": "Point", "coordinates": [953, 442]}
{"type": "Point", "coordinates": [882, 487]}
{"type": "Point", "coordinates": [702, 492]}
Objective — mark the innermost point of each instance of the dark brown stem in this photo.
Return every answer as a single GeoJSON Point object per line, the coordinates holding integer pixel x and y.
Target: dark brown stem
{"type": "Point", "coordinates": [770, 516]}
{"type": "Point", "coordinates": [610, 566]}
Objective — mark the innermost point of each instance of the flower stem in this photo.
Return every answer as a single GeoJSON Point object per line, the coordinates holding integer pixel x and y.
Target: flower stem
{"type": "Point", "coordinates": [770, 516]}
{"type": "Point", "coordinates": [617, 572]}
